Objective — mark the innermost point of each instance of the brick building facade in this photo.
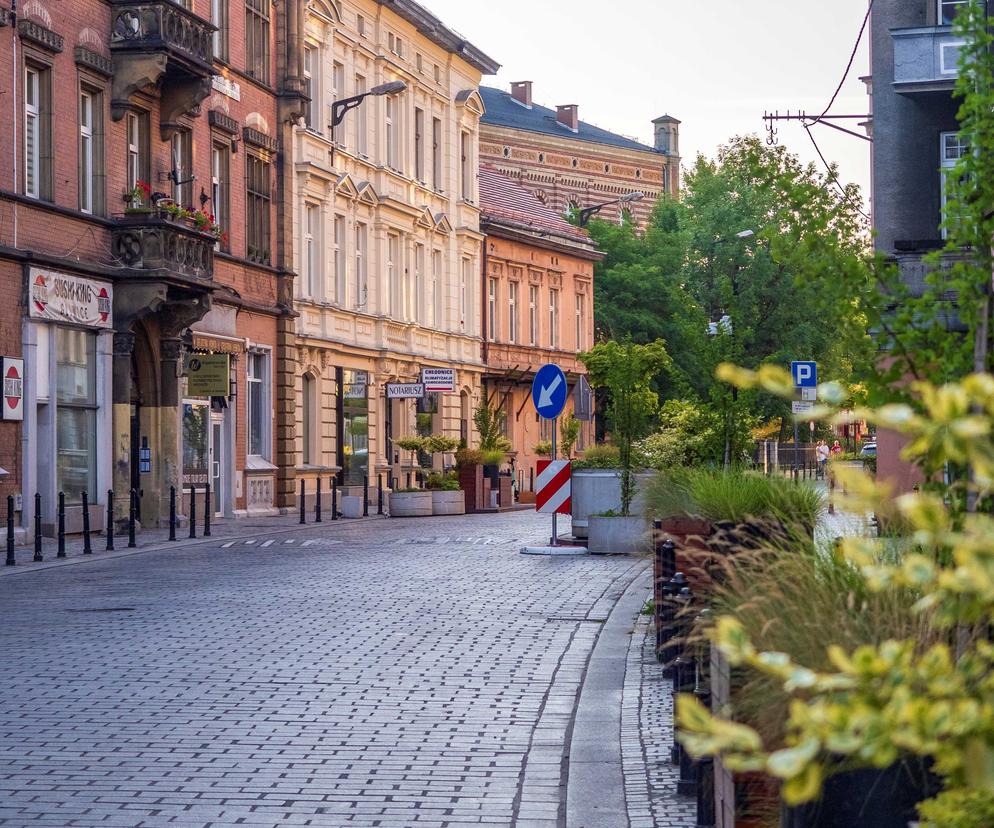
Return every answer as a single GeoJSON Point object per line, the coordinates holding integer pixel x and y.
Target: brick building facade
{"type": "Point", "coordinates": [538, 288]}
{"type": "Point", "coordinates": [147, 328]}
{"type": "Point", "coordinates": [569, 164]}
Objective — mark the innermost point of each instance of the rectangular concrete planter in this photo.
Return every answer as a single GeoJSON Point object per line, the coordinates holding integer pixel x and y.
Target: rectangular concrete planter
{"type": "Point", "coordinates": [352, 506]}
{"type": "Point", "coordinates": [448, 503]}
{"type": "Point", "coordinates": [620, 535]}
{"type": "Point", "coordinates": [595, 491]}
{"type": "Point", "coordinates": [410, 504]}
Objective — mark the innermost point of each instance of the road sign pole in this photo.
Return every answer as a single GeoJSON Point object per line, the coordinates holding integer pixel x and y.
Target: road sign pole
{"type": "Point", "coordinates": [555, 533]}
{"type": "Point", "coordinates": [797, 445]}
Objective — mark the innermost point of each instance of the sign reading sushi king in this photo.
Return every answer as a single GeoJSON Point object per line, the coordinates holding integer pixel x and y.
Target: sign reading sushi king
{"type": "Point", "coordinates": [63, 297]}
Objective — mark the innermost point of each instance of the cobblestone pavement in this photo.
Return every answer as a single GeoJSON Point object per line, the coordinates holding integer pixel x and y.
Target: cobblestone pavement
{"type": "Point", "coordinates": [390, 673]}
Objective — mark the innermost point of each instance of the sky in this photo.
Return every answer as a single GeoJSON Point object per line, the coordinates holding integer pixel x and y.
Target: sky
{"type": "Point", "coordinates": [714, 64]}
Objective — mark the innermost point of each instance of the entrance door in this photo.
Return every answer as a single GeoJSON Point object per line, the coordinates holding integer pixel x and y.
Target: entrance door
{"type": "Point", "coordinates": [217, 460]}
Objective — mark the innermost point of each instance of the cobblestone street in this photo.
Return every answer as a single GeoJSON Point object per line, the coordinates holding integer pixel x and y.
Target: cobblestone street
{"type": "Point", "coordinates": [389, 673]}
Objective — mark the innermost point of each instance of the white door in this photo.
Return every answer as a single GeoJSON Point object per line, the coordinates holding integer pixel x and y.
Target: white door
{"type": "Point", "coordinates": [217, 475]}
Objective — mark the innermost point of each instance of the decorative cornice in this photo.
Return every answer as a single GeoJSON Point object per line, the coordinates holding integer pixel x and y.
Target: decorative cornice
{"type": "Point", "coordinates": [40, 36]}
{"type": "Point", "coordinates": [259, 139]}
{"type": "Point", "coordinates": [223, 122]}
{"type": "Point", "coordinates": [94, 60]}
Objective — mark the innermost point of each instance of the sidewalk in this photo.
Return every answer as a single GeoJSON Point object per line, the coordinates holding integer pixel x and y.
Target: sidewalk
{"type": "Point", "coordinates": [148, 540]}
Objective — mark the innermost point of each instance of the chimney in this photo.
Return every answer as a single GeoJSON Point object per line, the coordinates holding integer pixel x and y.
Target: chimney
{"type": "Point", "coordinates": [568, 115]}
{"type": "Point", "coordinates": [521, 91]}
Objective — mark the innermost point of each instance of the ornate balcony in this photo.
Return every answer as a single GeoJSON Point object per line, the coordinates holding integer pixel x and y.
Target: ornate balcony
{"type": "Point", "coordinates": [164, 248]}
{"type": "Point", "coordinates": [153, 40]}
{"type": "Point", "coordinates": [925, 59]}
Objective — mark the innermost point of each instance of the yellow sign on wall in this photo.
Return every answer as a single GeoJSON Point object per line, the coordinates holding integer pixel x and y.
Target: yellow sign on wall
{"type": "Point", "coordinates": [207, 375]}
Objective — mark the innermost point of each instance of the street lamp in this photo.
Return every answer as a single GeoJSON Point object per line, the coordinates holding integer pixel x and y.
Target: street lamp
{"type": "Point", "coordinates": [585, 215]}
{"type": "Point", "coordinates": [340, 108]}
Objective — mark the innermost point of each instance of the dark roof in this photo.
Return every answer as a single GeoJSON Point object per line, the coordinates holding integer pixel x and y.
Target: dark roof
{"type": "Point", "coordinates": [502, 199]}
{"type": "Point", "coordinates": [503, 110]}
{"type": "Point", "coordinates": [437, 32]}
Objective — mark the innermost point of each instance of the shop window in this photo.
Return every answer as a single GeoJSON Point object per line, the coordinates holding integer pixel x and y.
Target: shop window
{"type": "Point", "coordinates": [196, 442]}
{"type": "Point", "coordinates": [354, 438]}
{"type": "Point", "coordinates": [259, 414]}
{"type": "Point", "coordinates": [426, 417]}
{"type": "Point", "coordinates": [76, 416]}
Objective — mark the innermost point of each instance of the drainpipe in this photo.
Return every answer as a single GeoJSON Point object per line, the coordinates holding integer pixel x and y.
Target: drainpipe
{"type": "Point", "coordinates": [485, 298]}
{"type": "Point", "coordinates": [14, 114]}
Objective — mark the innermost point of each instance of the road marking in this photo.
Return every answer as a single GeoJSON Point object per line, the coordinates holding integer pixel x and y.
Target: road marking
{"type": "Point", "coordinates": [228, 545]}
{"type": "Point", "coordinates": [268, 543]}
{"type": "Point", "coordinates": [249, 542]}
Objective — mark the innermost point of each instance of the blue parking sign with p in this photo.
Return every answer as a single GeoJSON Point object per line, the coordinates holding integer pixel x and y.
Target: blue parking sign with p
{"type": "Point", "coordinates": [805, 374]}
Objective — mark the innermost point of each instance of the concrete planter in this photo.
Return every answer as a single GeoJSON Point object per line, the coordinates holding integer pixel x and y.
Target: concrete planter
{"type": "Point", "coordinates": [618, 534]}
{"type": "Point", "coordinates": [351, 506]}
{"type": "Point", "coordinates": [448, 503]}
{"type": "Point", "coordinates": [595, 491]}
{"type": "Point", "coordinates": [410, 504]}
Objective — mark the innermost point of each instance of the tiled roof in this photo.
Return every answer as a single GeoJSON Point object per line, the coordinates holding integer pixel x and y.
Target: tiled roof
{"type": "Point", "coordinates": [503, 110]}
{"type": "Point", "coordinates": [438, 33]}
{"type": "Point", "coordinates": [504, 199]}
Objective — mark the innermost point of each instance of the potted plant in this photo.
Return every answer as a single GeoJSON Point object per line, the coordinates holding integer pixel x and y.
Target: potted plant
{"type": "Point", "coordinates": [447, 497]}
{"type": "Point", "coordinates": [136, 200]}
{"type": "Point", "coordinates": [627, 371]}
{"type": "Point", "coordinates": [543, 448]}
{"type": "Point", "coordinates": [412, 444]}
{"type": "Point", "coordinates": [489, 424]}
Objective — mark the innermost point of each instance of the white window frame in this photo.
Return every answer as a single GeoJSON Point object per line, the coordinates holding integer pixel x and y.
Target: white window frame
{"type": "Point", "coordinates": [419, 144]}
{"type": "Point", "coordinates": [947, 166]}
{"type": "Point", "coordinates": [436, 155]}
{"type": "Point", "coordinates": [182, 193]}
{"type": "Point", "coordinates": [338, 246]}
{"type": "Point", "coordinates": [361, 120]}
{"type": "Point", "coordinates": [87, 174]}
{"type": "Point", "coordinates": [133, 132]}
{"type": "Point", "coordinates": [312, 77]}
{"type": "Point", "coordinates": [493, 317]}
{"type": "Point", "coordinates": [512, 312]}
{"type": "Point", "coordinates": [32, 127]}
{"type": "Point", "coordinates": [394, 267]}
{"type": "Point", "coordinates": [533, 326]}
{"type": "Point", "coordinates": [311, 251]}
{"type": "Point", "coordinates": [465, 279]}
{"type": "Point", "coordinates": [262, 384]}
{"type": "Point", "coordinates": [391, 121]}
{"type": "Point", "coordinates": [220, 184]}
{"type": "Point", "coordinates": [361, 286]}
{"type": "Point", "coordinates": [581, 319]}
{"type": "Point", "coordinates": [435, 313]}
{"type": "Point", "coordinates": [949, 57]}
{"type": "Point", "coordinates": [466, 165]}
{"type": "Point", "coordinates": [941, 8]}
{"type": "Point", "coordinates": [420, 299]}
{"type": "Point", "coordinates": [338, 92]}
{"type": "Point", "coordinates": [553, 318]}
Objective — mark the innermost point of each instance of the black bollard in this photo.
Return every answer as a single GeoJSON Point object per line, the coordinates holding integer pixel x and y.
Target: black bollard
{"type": "Point", "coordinates": [109, 529]}
{"type": "Point", "coordinates": [408, 480]}
{"type": "Point", "coordinates": [208, 509]}
{"type": "Point", "coordinates": [132, 508]}
{"type": "Point", "coordinates": [303, 504]}
{"type": "Point", "coordinates": [531, 480]}
{"type": "Point", "coordinates": [61, 532]}
{"type": "Point", "coordinates": [365, 495]}
{"type": "Point", "coordinates": [670, 651]}
{"type": "Point", "coordinates": [87, 547]}
{"type": "Point", "coordinates": [334, 499]}
{"type": "Point", "coordinates": [172, 513]}
{"type": "Point", "coordinates": [317, 503]}
{"type": "Point", "coordinates": [38, 556]}
{"type": "Point", "coordinates": [705, 793]}
{"type": "Point", "coordinates": [379, 494]}
{"type": "Point", "coordinates": [11, 560]}
{"type": "Point", "coordinates": [193, 510]}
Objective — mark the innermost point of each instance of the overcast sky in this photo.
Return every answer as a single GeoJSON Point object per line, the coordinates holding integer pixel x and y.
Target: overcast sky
{"type": "Point", "coordinates": [715, 65]}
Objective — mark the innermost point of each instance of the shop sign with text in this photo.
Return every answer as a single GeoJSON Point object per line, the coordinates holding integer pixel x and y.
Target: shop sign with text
{"type": "Point", "coordinates": [207, 375]}
{"type": "Point", "coordinates": [405, 390]}
{"type": "Point", "coordinates": [62, 297]}
{"type": "Point", "coordinates": [439, 379]}
{"type": "Point", "coordinates": [13, 388]}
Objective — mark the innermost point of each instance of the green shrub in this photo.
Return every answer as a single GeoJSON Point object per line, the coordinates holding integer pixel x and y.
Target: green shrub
{"type": "Point", "coordinates": [440, 444]}
{"type": "Point", "coordinates": [469, 457]}
{"type": "Point", "coordinates": [543, 448]}
{"type": "Point", "coordinates": [958, 809]}
{"type": "Point", "coordinates": [442, 482]}
{"type": "Point", "coordinates": [494, 457]}
{"type": "Point", "coordinates": [604, 456]}
{"type": "Point", "coordinates": [410, 443]}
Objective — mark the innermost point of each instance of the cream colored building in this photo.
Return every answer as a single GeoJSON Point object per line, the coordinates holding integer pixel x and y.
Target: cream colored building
{"type": "Point", "coordinates": [387, 235]}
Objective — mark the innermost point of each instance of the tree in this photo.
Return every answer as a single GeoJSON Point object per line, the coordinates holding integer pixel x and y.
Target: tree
{"type": "Point", "coordinates": [627, 371]}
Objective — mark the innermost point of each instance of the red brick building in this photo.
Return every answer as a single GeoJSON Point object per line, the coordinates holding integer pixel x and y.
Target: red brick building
{"type": "Point", "coordinates": [148, 329]}
{"type": "Point", "coordinates": [538, 289]}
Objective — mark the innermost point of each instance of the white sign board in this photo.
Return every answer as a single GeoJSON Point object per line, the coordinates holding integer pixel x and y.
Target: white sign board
{"type": "Point", "coordinates": [227, 87]}
{"type": "Point", "coordinates": [13, 388]}
{"type": "Point", "coordinates": [355, 390]}
{"type": "Point", "coordinates": [809, 394]}
{"type": "Point", "coordinates": [802, 407]}
{"type": "Point", "coordinates": [62, 297]}
{"type": "Point", "coordinates": [405, 390]}
{"type": "Point", "coordinates": [439, 379]}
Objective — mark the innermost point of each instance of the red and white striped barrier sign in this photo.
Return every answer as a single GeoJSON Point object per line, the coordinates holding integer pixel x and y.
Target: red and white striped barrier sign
{"type": "Point", "coordinates": [553, 489]}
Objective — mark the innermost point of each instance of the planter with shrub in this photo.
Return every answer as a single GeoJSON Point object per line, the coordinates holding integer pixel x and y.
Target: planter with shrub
{"type": "Point", "coordinates": [447, 498]}
{"type": "Point", "coordinates": [469, 467]}
{"type": "Point", "coordinates": [410, 503]}
{"type": "Point", "coordinates": [618, 534]}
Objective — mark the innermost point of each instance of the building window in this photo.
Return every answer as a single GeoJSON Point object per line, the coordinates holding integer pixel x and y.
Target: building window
{"type": "Point", "coordinates": [512, 312]}
{"type": "Point", "coordinates": [533, 314]}
{"type": "Point", "coordinates": [353, 439]}
{"type": "Point", "coordinates": [91, 164]}
{"type": "Point", "coordinates": [257, 209]}
{"type": "Point", "coordinates": [219, 17]}
{"type": "Point", "coordinates": [361, 240]}
{"type": "Point", "coordinates": [76, 415]}
{"type": "Point", "coordinates": [258, 395]}
{"type": "Point", "coordinates": [391, 118]}
{"type": "Point", "coordinates": [257, 39]}
{"type": "Point", "coordinates": [419, 63]}
{"type": "Point", "coordinates": [136, 125]}
{"type": "Point", "coordinates": [360, 25]}
{"type": "Point", "coordinates": [544, 429]}
{"type": "Point", "coordinates": [437, 73]}
{"type": "Point", "coordinates": [466, 168]}
{"type": "Point", "coordinates": [465, 280]}
{"type": "Point", "coordinates": [37, 133]}
{"type": "Point", "coordinates": [553, 318]}
{"type": "Point", "coordinates": [181, 151]}
{"type": "Point", "coordinates": [420, 289]}
{"type": "Point", "coordinates": [339, 252]}
{"type": "Point", "coordinates": [359, 116]}
{"type": "Point", "coordinates": [312, 88]}
{"type": "Point", "coordinates": [493, 295]}
{"type": "Point", "coordinates": [221, 190]}
{"type": "Point", "coordinates": [419, 145]}
{"type": "Point", "coordinates": [394, 267]}
{"type": "Point", "coordinates": [952, 147]}
{"type": "Point", "coordinates": [311, 253]}
{"type": "Point", "coordinates": [308, 419]}
{"type": "Point", "coordinates": [581, 322]}
{"type": "Point", "coordinates": [436, 154]}
{"type": "Point", "coordinates": [338, 82]}
{"type": "Point", "coordinates": [948, 9]}
{"type": "Point", "coordinates": [435, 299]}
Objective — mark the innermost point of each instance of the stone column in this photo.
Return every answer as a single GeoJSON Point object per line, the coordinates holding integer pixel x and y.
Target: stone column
{"type": "Point", "coordinates": [167, 470]}
{"type": "Point", "coordinates": [124, 345]}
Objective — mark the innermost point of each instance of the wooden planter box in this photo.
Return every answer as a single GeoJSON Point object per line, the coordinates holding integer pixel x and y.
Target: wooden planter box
{"type": "Point", "coordinates": [471, 483]}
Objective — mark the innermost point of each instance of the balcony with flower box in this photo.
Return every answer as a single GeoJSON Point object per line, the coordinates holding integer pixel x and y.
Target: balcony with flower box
{"type": "Point", "coordinates": [167, 241]}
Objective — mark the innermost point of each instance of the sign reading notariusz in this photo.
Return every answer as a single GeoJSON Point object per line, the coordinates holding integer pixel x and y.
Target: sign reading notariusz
{"type": "Point", "coordinates": [405, 390]}
{"type": "Point", "coordinates": [63, 297]}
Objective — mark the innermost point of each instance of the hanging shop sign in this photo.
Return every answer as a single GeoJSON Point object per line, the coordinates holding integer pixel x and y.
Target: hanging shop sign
{"type": "Point", "coordinates": [439, 379]}
{"type": "Point", "coordinates": [207, 375]}
{"type": "Point", "coordinates": [62, 297]}
{"type": "Point", "coordinates": [12, 370]}
{"type": "Point", "coordinates": [405, 390]}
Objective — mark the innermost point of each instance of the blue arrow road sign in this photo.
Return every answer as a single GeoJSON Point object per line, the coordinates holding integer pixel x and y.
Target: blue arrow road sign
{"type": "Point", "coordinates": [549, 391]}
{"type": "Point", "coordinates": [805, 374]}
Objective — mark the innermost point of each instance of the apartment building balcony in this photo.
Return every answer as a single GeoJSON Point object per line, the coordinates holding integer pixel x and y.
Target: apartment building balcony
{"type": "Point", "coordinates": [163, 248]}
{"type": "Point", "coordinates": [160, 42]}
{"type": "Point", "coordinates": [926, 59]}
